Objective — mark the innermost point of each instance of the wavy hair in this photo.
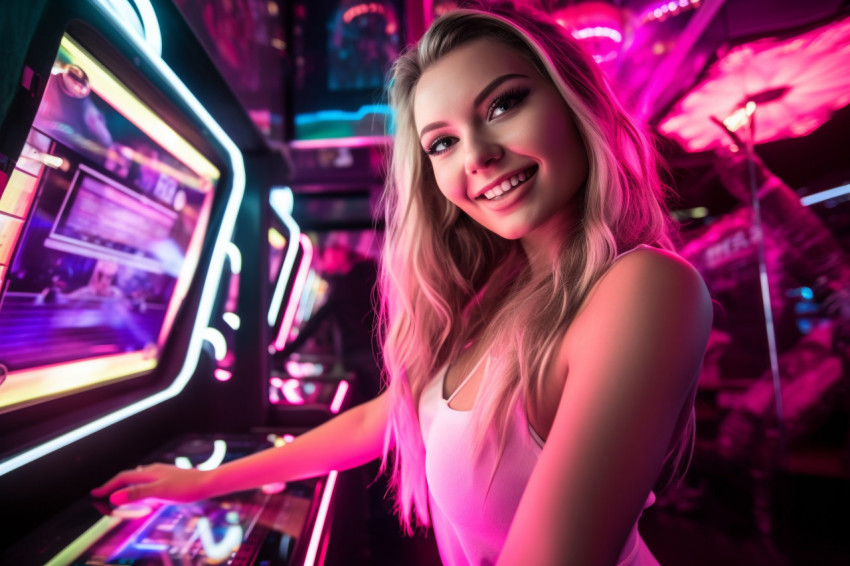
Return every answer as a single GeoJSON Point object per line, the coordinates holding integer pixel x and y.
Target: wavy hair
{"type": "Point", "coordinates": [447, 281]}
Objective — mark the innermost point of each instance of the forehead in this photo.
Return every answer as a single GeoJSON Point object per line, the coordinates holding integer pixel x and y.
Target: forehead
{"type": "Point", "coordinates": [457, 78]}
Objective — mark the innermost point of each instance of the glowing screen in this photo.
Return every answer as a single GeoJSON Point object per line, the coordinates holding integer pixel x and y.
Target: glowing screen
{"type": "Point", "coordinates": [101, 229]}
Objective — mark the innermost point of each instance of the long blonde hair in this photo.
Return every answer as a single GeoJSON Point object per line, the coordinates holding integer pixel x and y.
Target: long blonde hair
{"type": "Point", "coordinates": [446, 280]}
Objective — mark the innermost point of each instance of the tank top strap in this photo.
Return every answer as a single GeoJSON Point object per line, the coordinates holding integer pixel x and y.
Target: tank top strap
{"type": "Point", "coordinates": [465, 379]}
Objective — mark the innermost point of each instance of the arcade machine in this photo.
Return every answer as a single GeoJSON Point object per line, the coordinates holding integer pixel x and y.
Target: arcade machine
{"type": "Point", "coordinates": [322, 351]}
{"type": "Point", "coordinates": [122, 179]}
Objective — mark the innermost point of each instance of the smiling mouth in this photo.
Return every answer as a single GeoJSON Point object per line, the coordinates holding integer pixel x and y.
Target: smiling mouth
{"type": "Point", "coordinates": [508, 185]}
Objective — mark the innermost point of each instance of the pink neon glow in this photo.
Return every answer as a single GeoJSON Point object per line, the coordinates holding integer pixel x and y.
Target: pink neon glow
{"type": "Point", "coordinates": [796, 84]}
{"type": "Point", "coordinates": [294, 369]}
{"type": "Point", "coordinates": [321, 517]}
{"type": "Point", "coordinates": [291, 393]}
{"type": "Point", "coordinates": [272, 488]}
{"type": "Point", "coordinates": [297, 289]}
{"type": "Point", "coordinates": [598, 31]}
{"type": "Point", "coordinates": [354, 141]}
{"type": "Point", "coordinates": [339, 396]}
{"type": "Point", "coordinates": [276, 382]}
{"type": "Point", "coordinates": [222, 374]}
{"type": "Point", "coordinates": [288, 438]}
{"type": "Point", "coordinates": [669, 9]}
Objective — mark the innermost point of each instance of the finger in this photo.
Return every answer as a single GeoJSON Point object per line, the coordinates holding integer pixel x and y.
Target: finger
{"type": "Point", "coordinates": [126, 495]}
{"type": "Point", "coordinates": [123, 479]}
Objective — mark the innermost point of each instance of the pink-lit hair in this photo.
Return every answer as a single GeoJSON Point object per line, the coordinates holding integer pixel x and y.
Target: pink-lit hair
{"type": "Point", "coordinates": [446, 281]}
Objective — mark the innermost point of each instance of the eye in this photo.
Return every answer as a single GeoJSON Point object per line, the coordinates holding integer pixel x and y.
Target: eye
{"type": "Point", "coordinates": [440, 145]}
{"type": "Point", "coordinates": [506, 101]}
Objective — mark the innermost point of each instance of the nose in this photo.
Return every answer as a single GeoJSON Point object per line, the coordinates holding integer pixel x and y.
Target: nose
{"type": "Point", "coordinates": [482, 152]}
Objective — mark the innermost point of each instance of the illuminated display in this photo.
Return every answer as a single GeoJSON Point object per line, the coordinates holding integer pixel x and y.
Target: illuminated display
{"type": "Point", "coordinates": [226, 530]}
{"type": "Point", "coordinates": [222, 235]}
{"type": "Point", "coordinates": [118, 204]}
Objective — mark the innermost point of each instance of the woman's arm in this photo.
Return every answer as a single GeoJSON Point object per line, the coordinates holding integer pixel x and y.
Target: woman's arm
{"type": "Point", "coordinates": [351, 439]}
{"type": "Point", "coordinates": [633, 354]}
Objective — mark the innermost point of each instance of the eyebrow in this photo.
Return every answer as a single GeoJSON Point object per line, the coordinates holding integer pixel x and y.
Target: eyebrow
{"type": "Point", "coordinates": [485, 92]}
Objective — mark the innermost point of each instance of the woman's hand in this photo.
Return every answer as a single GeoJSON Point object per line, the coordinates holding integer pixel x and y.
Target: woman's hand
{"type": "Point", "coordinates": [161, 481]}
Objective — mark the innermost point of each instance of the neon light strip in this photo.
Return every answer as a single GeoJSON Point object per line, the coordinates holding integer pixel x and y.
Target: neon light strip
{"type": "Point", "coordinates": [321, 517]}
{"type": "Point", "coordinates": [217, 340]}
{"type": "Point", "coordinates": [211, 463]}
{"type": "Point", "coordinates": [235, 257]}
{"type": "Point", "coordinates": [106, 85]}
{"type": "Point", "coordinates": [39, 383]}
{"type": "Point", "coordinates": [232, 319]}
{"type": "Point", "coordinates": [281, 200]}
{"type": "Point", "coordinates": [354, 141]}
{"type": "Point", "coordinates": [297, 289]}
{"type": "Point", "coordinates": [153, 36]}
{"type": "Point", "coordinates": [211, 284]}
{"type": "Point", "coordinates": [339, 397]}
{"type": "Point", "coordinates": [82, 542]}
{"type": "Point", "coordinates": [325, 115]}
{"type": "Point", "coordinates": [825, 195]}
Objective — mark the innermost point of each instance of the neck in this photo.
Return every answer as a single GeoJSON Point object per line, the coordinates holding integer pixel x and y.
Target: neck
{"type": "Point", "coordinates": [543, 244]}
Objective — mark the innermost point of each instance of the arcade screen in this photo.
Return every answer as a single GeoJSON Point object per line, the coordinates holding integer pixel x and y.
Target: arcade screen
{"type": "Point", "coordinates": [101, 228]}
{"type": "Point", "coordinates": [231, 529]}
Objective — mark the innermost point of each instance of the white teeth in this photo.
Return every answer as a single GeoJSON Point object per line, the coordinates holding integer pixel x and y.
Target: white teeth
{"type": "Point", "coordinates": [506, 185]}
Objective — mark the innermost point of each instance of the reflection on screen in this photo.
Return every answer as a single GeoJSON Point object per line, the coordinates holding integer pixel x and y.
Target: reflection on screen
{"type": "Point", "coordinates": [221, 531]}
{"type": "Point", "coordinates": [101, 228]}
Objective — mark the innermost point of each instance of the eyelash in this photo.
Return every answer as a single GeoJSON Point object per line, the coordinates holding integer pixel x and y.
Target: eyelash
{"type": "Point", "coordinates": [510, 98]}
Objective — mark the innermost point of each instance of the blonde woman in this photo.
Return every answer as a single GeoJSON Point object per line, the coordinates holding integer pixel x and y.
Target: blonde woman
{"type": "Point", "coordinates": [541, 342]}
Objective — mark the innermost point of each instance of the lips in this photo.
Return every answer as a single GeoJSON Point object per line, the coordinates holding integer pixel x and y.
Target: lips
{"type": "Point", "coordinates": [499, 190]}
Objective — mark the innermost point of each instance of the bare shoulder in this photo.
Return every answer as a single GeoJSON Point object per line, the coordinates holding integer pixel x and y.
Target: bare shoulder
{"type": "Point", "coordinates": [651, 292]}
{"type": "Point", "coordinates": [648, 274]}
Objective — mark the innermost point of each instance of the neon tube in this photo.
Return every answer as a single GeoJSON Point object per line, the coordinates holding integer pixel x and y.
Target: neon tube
{"type": "Point", "coordinates": [321, 517]}
{"type": "Point", "coordinates": [339, 396]}
{"type": "Point", "coordinates": [281, 201]}
{"type": "Point", "coordinates": [214, 271]}
{"type": "Point", "coordinates": [235, 257]}
{"type": "Point", "coordinates": [825, 195]}
{"type": "Point", "coordinates": [297, 289]}
{"type": "Point", "coordinates": [219, 344]}
{"type": "Point", "coordinates": [211, 463]}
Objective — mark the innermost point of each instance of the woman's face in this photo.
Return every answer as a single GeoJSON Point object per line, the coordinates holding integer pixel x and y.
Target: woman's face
{"type": "Point", "coordinates": [501, 140]}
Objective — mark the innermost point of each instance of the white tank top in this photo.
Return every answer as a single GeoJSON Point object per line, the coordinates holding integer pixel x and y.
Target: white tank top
{"type": "Point", "coordinates": [471, 522]}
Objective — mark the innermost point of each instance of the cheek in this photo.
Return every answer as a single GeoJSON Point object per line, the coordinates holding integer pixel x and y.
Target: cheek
{"type": "Point", "coordinates": [450, 185]}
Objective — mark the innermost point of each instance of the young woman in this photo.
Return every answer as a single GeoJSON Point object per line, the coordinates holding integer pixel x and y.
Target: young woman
{"type": "Point", "coordinates": [541, 342]}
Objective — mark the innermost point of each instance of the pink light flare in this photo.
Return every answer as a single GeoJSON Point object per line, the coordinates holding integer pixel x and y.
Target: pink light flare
{"type": "Point", "coordinates": [291, 392]}
{"type": "Point", "coordinates": [600, 27]}
{"type": "Point", "coordinates": [339, 396]}
{"type": "Point", "coordinates": [796, 84]}
{"type": "Point", "coordinates": [222, 374]}
{"type": "Point", "coordinates": [668, 10]}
